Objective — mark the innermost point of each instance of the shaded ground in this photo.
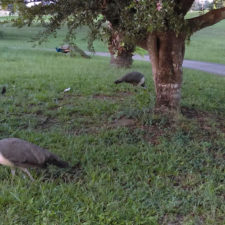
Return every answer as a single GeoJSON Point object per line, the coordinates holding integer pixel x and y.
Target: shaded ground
{"type": "Point", "coordinates": [207, 122]}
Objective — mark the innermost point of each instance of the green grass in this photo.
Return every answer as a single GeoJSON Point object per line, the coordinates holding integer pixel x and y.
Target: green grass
{"type": "Point", "coordinates": [155, 171]}
{"type": "Point", "coordinates": [205, 45]}
{"type": "Point", "coordinates": [208, 44]}
{"type": "Point", "coordinates": [25, 37]}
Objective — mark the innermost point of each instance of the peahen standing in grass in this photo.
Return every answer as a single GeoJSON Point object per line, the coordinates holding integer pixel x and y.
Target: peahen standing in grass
{"type": "Point", "coordinates": [17, 153]}
{"type": "Point", "coordinates": [134, 78]}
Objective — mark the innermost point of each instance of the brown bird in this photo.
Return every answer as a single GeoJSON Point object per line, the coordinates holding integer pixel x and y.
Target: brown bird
{"type": "Point", "coordinates": [17, 153]}
{"type": "Point", "coordinates": [135, 78]}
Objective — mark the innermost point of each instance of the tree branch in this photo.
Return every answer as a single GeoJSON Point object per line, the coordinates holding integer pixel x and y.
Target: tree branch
{"type": "Point", "coordinates": [208, 19]}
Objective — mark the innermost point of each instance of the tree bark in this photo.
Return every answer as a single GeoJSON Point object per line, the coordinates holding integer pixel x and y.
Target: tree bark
{"type": "Point", "coordinates": [166, 50]}
{"type": "Point", "coordinates": [121, 54]}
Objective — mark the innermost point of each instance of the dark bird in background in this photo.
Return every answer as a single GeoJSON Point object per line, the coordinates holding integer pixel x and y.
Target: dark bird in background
{"type": "Point", "coordinates": [63, 49]}
{"type": "Point", "coordinates": [3, 90]}
{"type": "Point", "coordinates": [134, 78]}
{"type": "Point", "coordinates": [17, 153]}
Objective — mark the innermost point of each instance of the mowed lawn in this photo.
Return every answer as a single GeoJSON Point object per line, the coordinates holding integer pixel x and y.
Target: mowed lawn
{"type": "Point", "coordinates": [206, 45]}
{"type": "Point", "coordinates": [131, 167]}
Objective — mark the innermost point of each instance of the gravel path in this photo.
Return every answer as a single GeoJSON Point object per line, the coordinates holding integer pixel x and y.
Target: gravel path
{"type": "Point", "coordinates": [214, 68]}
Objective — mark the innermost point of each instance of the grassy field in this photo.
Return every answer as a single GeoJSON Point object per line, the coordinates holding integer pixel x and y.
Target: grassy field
{"type": "Point", "coordinates": [25, 38]}
{"type": "Point", "coordinates": [205, 45]}
{"type": "Point", "coordinates": [132, 167]}
{"type": "Point", "coordinates": [208, 44]}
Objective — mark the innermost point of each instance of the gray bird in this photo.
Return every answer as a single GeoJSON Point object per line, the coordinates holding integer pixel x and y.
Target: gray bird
{"type": "Point", "coordinates": [135, 78]}
{"type": "Point", "coordinates": [17, 153]}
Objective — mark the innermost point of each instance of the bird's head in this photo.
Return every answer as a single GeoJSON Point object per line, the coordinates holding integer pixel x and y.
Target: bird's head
{"type": "Point", "coordinates": [143, 85]}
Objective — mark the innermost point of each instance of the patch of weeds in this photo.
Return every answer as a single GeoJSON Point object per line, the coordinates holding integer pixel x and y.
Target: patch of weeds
{"type": "Point", "coordinates": [127, 112]}
{"type": "Point", "coordinates": [120, 135]}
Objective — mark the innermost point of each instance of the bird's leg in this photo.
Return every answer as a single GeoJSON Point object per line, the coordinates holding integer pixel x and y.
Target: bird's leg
{"type": "Point", "coordinates": [25, 170]}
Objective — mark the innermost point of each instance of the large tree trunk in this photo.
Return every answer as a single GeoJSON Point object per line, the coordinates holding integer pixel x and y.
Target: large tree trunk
{"type": "Point", "coordinates": [121, 54]}
{"type": "Point", "coordinates": [166, 50]}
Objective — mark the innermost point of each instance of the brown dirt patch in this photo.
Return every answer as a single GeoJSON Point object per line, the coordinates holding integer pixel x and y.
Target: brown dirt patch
{"type": "Point", "coordinates": [119, 95]}
{"type": "Point", "coordinates": [189, 112]}
{"type": "Point", "coordinates": [171, 220]}
{"type": "Point", "coordinates": [211, 125]}
{"type": "Point", "coordinates": [124, 94]}
{"type": "Point", "coordinates": [46, 123]}
{"type": "Point", "coordinates": [205, 119]}
{"type": "Point", "coordinates": [124, 122]}
{"type": "Point", "coordinates": [153, 134]}
{"type": "Point", "coordinates": [104, 97]}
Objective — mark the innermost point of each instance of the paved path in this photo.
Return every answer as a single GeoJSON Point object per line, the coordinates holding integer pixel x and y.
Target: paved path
{"type": "Point", "coordinates": [208, 67]}
{"type": "Point", "coordinates": [214, 68]}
